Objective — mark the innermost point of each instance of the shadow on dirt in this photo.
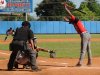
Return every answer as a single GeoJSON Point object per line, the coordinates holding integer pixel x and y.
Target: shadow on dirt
{"type": "Point", "coordinates": [3, 69]}
{"type": "Point", "coordinates": [16, 70]}
{"type": "Point", "coordinates": [71, 66]}
{"type": "Point", "coordinates": [53, 65]}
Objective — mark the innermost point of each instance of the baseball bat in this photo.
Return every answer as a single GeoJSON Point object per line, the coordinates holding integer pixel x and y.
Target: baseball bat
{"type": "Point", "coordinates": [80, 11]}
{"type": "Point", "coordinates": [70, 7]}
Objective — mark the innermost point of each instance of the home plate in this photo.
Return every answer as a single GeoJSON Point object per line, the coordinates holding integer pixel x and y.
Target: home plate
{"type": "Point", "coordinates": [42, 61]}
{"type": "Point", "coordinates": [61, 63]}
{"type": "Point", "coordinates": [64, 63]}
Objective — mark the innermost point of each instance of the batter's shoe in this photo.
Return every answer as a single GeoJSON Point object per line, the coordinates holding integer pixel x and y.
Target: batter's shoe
{"type": "Point", "coordinates": [89, 64]}
{"type": "Point", "coordinates": [78, 65]}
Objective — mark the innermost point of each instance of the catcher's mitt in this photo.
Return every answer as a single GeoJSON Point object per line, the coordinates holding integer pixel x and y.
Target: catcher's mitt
{"type": "Point", "coordinates": [52, 54]}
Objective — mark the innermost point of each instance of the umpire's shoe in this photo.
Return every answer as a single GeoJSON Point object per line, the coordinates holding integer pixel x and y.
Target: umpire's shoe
{"type": "Point", "coordinates": [9, 69]}
{"type": "Point", "coordinates": [36, 70]}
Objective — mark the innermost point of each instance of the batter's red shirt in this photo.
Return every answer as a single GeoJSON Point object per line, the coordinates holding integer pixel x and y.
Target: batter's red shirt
{"type": "Point", "coordinates": [78, 25]}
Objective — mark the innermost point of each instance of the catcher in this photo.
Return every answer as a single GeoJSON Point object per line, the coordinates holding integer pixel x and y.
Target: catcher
{"type": "Point", "coordinates": [52, 53]}
{"type": "Point", "coordinates": [27, 66]}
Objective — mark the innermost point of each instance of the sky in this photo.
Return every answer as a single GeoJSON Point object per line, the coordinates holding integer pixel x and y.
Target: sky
{"type": "Point", "coordinates": [77, 2]}
{"type": "Point", "coordinates": [35, 2]}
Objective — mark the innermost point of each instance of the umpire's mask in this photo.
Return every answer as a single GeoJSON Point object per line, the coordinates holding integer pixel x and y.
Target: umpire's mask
{"type": "Point", "coordinates": [26, 23]}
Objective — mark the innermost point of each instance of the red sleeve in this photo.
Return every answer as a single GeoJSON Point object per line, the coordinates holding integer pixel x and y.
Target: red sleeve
{"type": "Point", "coordinates": [72, 18]}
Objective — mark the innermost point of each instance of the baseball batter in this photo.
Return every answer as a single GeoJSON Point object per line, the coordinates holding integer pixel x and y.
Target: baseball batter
{"type": "Point", "coordinates": [85, 37]}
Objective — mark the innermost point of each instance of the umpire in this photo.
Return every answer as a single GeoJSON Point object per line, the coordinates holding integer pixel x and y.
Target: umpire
{"type": "Point", "coordinates": [23, 35]}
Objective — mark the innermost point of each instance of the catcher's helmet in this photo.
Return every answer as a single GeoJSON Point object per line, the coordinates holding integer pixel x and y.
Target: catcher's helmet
{"type": "Point", "coordinates": [35, 39]}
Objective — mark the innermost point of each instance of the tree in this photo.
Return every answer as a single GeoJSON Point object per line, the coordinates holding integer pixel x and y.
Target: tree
{"type": "Point", "coordinates": [91, 7]}
{"type": "Point", "coordinates": [51, 9]}
{"type": "Point", "coordinates": [89, 14]}
{"type": "Point", "coordinates": [54, 10]}
{"type": "Point", "coordinates": [94, 6]}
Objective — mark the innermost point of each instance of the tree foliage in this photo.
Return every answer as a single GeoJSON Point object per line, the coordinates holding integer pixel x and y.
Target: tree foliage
{"type": "Point", "coordinates": [52, 9]}
{"type": "Point", "coordinates": [92, 8]}
{"type": "Point", "coordinates": [89, 14]}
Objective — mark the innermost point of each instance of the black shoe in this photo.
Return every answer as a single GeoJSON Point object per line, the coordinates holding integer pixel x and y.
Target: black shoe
{"type": "Point", "coordinates": [36, 69]}
{"type": "Point", "coordinates": [89, 64]}
{"type": "Point", "coordinates": [78, 65]}
{"type": "Point", "coordinates": [9, 69]}
{"type": "Point", "coordinates": [16, 66]}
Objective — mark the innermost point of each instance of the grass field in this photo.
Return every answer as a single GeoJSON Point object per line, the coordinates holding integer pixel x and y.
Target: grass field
{"type": "Point", "coordinates": [69, 49]}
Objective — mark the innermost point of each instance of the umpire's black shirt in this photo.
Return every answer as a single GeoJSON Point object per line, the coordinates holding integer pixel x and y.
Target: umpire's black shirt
{"type": "Point", "coordinates": [23, 34]}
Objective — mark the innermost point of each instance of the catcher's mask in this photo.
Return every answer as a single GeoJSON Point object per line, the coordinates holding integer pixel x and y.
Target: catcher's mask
{"type": "Point", "coordinates": [35, 40]}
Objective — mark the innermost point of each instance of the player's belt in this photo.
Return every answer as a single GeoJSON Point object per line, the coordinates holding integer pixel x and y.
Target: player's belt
{"type": "Point", "coordinates": [84, 32]}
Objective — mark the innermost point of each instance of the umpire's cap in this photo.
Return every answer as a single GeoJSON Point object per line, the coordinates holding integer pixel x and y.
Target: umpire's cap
{"type": "Point", "coordinates": [26, 23]}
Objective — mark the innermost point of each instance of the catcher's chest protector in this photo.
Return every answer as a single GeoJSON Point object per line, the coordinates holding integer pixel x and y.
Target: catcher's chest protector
{"type": "Point", "coordinates": [22, 58]}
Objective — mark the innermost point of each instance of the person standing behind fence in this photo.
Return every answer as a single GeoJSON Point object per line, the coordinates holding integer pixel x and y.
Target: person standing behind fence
{"type": "Point", "coordinates": [10, 31]}
{"type": "Point", "coordinates": [85, 36]}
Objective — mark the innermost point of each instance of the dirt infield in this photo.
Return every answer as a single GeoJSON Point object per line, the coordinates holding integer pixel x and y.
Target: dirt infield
{"type": "Point", "coordinates": [52, 66]}
{"type": "Point", "coordinates": [53, 40]}
{"type": "Point", "coordinates": [49, 66]}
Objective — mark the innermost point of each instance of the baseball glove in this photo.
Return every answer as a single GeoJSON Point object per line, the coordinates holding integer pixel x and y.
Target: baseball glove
{"type": "Point", "coordinates": [52, 54]}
